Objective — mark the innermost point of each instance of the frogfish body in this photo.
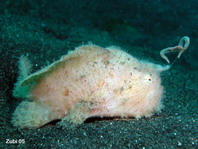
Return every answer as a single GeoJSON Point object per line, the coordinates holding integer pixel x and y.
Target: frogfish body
{"type": "Point", "coordinates": [87, 82]}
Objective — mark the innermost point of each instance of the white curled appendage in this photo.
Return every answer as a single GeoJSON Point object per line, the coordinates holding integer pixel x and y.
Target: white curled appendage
{"type": "Point", "coordinates": [182, 46]}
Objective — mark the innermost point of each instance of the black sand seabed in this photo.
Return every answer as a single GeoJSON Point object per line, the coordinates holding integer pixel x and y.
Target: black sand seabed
{"type": "Point", "coordinates": [48, 29]}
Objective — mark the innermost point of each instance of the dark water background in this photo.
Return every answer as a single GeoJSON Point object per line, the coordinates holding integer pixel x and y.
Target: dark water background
{"type": "Point", "coordinates": [47, 29]}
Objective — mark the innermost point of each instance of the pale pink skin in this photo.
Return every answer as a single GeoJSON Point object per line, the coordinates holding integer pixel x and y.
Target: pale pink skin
{"type": "Point", "coordinates": [94, 81]}
{"type": "Point", "coordinates": [110, 82]}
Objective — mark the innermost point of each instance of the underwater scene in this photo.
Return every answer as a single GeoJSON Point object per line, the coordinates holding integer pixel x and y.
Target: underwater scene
{"type": "Point", "coordinates": [98, 74]}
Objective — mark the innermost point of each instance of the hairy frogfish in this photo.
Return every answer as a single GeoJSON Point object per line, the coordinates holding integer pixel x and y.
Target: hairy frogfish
{"type": "Point", "coordinates": [90, 81]}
